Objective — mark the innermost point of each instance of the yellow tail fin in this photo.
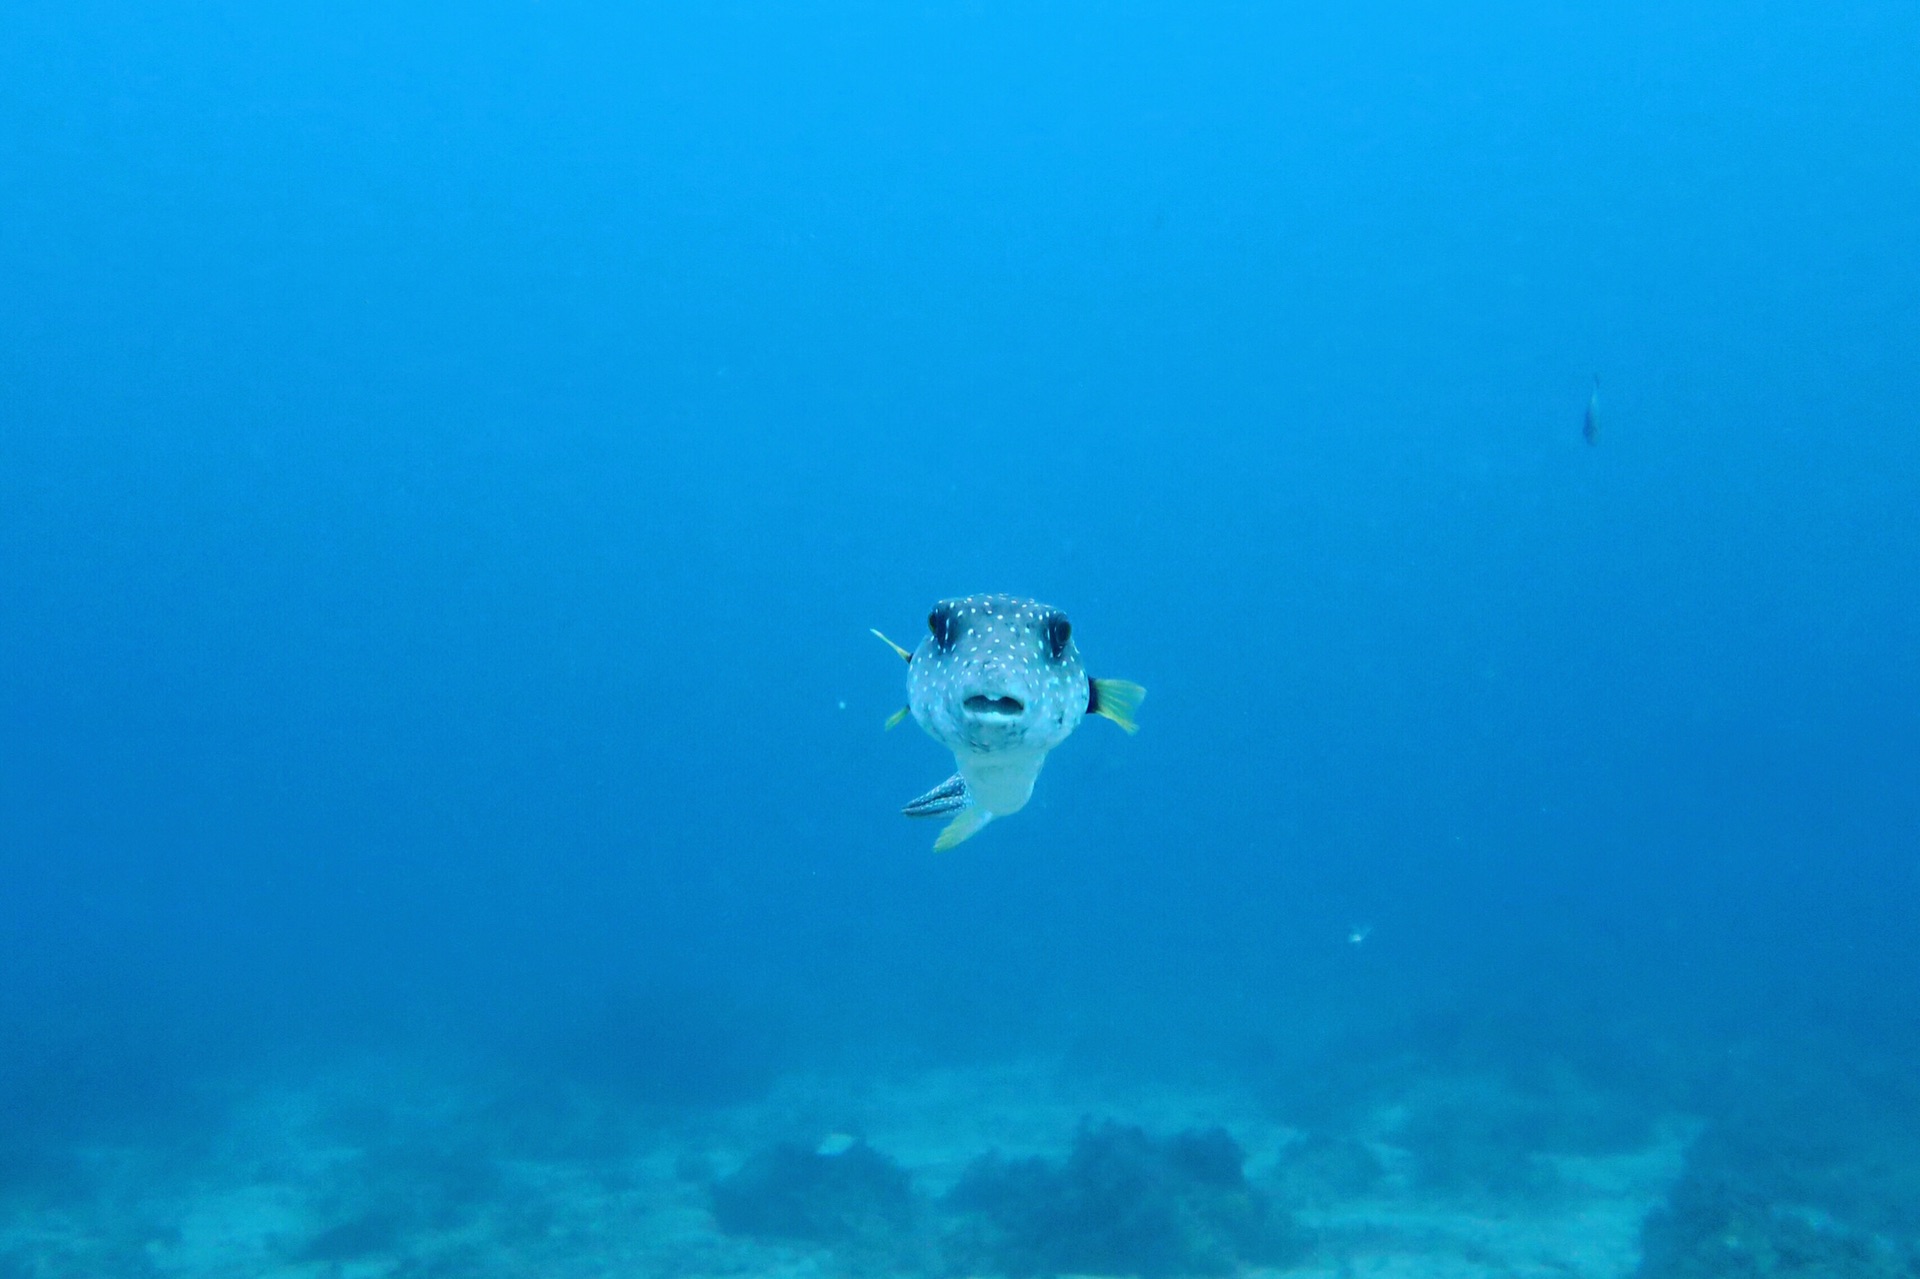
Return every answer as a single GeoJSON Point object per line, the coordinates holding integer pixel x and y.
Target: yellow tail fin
{"type": "Point", "coordinates": [962, 828]}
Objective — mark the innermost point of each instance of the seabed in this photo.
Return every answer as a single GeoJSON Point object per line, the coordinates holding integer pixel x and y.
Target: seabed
{"type": "Point", "coordinates": [387, 1169]}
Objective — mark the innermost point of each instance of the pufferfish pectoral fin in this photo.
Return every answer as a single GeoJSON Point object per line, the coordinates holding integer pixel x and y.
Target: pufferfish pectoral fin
{"type": "Point", "coordinates": [948, 797]}
{"type": "Point", "coordinates": [1118, 700]}
{"type": "Point", "coordinates": [905, 655]}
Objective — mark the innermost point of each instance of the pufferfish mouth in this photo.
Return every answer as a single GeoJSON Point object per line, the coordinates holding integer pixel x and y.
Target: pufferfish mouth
{"type": "Point", "coordinates": [980, 704]}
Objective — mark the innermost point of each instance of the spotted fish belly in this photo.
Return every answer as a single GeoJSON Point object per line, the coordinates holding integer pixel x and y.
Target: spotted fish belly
{"type": "Point", "coordinates": [1001, 782]}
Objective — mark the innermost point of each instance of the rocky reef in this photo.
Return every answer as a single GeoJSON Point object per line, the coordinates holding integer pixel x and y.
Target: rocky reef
{"type": "Point", "coordinates": [1122, 1202]}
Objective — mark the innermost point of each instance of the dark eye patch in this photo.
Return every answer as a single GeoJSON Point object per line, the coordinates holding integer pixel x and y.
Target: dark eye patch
{"type": "Point", "coordinates": [1059, 631]}
{"type": "Point", "coordinates": [943, 627]}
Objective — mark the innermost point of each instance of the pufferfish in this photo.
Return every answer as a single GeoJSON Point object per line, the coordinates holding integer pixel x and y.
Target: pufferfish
{"type": "Point", "coordinates": [998, 682]}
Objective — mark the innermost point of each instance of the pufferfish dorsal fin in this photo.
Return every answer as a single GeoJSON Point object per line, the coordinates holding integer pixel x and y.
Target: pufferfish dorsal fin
{"type": "Point", "coordinates": [1116, 699]}
{"type": "Point", "coordinates": [905, 655]}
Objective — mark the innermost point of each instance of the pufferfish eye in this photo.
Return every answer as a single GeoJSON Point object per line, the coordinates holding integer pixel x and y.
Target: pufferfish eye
{"type": "Point", "coordinates": [940, 622]}
{"type": "Point", "coordinates": [1059, 631]}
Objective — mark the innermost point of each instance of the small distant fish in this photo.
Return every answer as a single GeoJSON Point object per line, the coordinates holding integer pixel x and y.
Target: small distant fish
{"type": "Point", "coordinates": [1590, 427]}
{"type": "Point", "coordinates": [998, 682]}
{"type": "Point", "coordinates": [1357, 936]}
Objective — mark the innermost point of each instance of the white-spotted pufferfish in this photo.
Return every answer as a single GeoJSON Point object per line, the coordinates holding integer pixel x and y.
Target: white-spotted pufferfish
{"type": "Point", "coordinates": [998, 682]}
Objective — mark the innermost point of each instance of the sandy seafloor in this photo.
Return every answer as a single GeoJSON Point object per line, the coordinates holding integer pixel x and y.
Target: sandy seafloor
{"type": "Point", "coordinates": [384, 1167]}
{"type": "Point", "coordinates": [389, 1169]}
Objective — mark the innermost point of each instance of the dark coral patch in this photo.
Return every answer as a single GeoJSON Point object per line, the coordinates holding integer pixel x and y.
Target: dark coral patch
{"type": "Point", "coordinates": [1123, 1203]}
{"type": "Point", "coordinates": [789, 1192]}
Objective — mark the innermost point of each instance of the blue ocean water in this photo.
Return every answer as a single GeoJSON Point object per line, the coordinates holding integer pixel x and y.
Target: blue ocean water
{"type": "Point", "coordinates": [451, 457]}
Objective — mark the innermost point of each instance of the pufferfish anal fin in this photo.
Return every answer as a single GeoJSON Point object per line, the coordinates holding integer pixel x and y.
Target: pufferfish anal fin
{"type": "Point", "coordinates": [948, 797]}
{"type": "Point", "coordinates": [1118, 700]}
{"type": "Point", "coordinates": [905, 655]}
{"type": "Point", "coordinates": [962, 828]}
{"type": "Point", "coordinates": [951, 796]}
